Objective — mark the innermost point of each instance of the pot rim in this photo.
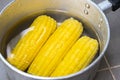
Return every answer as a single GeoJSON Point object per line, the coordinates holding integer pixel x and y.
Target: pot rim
{"type": "Point", "coordinates": [71, 75]}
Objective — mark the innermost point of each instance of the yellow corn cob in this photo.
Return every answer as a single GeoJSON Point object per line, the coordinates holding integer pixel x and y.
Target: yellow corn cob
{"type": "Point", "coordinates": [56, 47]}
{"type": "Point", "coordinates": [80, 55]}
{"type": "Point", "coordinates": [28, 46]}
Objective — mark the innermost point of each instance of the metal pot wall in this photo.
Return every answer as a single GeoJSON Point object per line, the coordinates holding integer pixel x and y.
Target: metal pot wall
{"type": "Point", "coordinates": [87, 11]}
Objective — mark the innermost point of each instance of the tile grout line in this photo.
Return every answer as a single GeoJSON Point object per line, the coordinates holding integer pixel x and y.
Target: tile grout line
{"type": "Point", "coordinates": [114, 67]}
{"type": "Point", "coordinates": [104, 69]}
{"type": "Point", "coordinates": [109, 68]}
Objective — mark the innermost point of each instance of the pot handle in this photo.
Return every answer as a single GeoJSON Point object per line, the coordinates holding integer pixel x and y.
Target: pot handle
{"type": "Point", "coordinates": [109, 5]}
{"type": "Point", "coordinates": [115, 4]}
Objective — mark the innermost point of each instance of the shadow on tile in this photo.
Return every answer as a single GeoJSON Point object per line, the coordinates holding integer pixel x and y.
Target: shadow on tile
{"type": "Point", "coordinates": [103, 64]}
{"type": "Point", "coordinates": [103, 75]}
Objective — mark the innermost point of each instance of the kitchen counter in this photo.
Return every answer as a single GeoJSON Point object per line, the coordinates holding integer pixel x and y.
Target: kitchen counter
{"type": "Point", "coordinates": [110, 65]}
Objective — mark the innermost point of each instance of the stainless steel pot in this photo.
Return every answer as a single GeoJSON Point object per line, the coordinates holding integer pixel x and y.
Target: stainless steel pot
{"type": "Point", "coordinates": [86, 10]}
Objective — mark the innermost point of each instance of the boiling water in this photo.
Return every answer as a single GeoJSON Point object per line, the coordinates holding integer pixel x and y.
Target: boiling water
{"type": "Point", "coordinates": [21, 28]}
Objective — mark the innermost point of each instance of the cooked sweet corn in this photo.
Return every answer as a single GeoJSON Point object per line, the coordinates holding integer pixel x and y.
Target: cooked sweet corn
{"type": "Point", "coordinates": [79, 56]}
{"type": "Point", "coordinates": [56, 48]}
{"type": "Point", "coordinates": [29, 45]}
